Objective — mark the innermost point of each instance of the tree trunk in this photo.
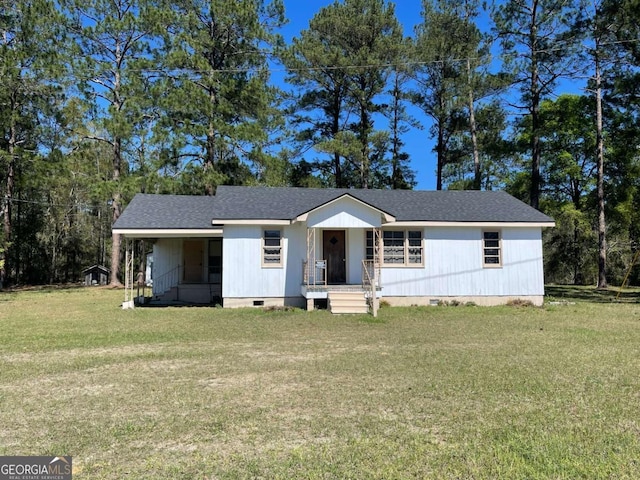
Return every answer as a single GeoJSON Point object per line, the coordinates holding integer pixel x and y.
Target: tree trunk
{"type": "Point", "coordinates": [116, 207]}
{"type": "Point", "coordinates": [534, 192]}
{"type": "Point", "coordinates": [335, 129]}
{"type": "Point", "coordinates": [602, 239]}
{"type": "Point", "coordinates": [396, 174]}
{"type": "Point", "coordinates": [364, 151]}
{"type": "Point", "coordinates": [210, 154]}
{"type": "Point", "coordinates": [477, 178]}
{"type": "Point", "coordinates": [440, 155]}
{"type": "Point", "coordinates": [116, 201]}
{"type": "Point", "coordinates": [9, 191]}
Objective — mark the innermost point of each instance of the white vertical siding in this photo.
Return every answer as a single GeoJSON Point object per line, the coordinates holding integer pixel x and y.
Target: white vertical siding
{"type": "Point", "coordinates": [167, 258]}
{"type": "Point", "coordinates": [244, 276]}
{"type": "Point", "coordinates": [355, 255]}
{"type": "Point", "coordinates": [453, 265]}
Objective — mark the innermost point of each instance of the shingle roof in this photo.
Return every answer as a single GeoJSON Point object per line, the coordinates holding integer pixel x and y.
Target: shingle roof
{"type": "Point", "coordinates": [148, 211]}
{"type": "Point", "coordinates": [285, 203]}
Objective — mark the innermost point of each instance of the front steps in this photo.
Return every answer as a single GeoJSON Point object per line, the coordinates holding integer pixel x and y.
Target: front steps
{"type": "Point", "coordinates": [347, 302]}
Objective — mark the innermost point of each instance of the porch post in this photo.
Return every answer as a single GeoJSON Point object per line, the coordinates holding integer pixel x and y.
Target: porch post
{"type": "Point", "coordinates": [377, 260]}
{"type": "Point", "coordinates": [310, 272]}
{"type": "Point", "coordinates": [128, 274]}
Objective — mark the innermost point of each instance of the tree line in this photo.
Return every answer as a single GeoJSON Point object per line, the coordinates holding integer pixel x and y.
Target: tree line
{"type": "Point", "coordinates": [101, 99]}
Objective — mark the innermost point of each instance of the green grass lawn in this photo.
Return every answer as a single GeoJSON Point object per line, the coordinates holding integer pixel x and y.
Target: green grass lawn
{"type": "Point", "coordinates": [431, 392]}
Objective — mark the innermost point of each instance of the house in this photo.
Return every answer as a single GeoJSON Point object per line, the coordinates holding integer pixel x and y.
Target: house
{"type": "Point", "coordinates": [254, 246]}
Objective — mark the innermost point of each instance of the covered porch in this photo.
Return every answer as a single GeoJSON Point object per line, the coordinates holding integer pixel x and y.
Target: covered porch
{"type": "Point", "coordinates": [344, 274]}
{"type": "Point", "coordinates": [186, 270]}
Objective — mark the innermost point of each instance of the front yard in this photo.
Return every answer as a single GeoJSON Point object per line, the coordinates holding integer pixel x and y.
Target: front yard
{"type": "Point", "coordinates": [431, 392]}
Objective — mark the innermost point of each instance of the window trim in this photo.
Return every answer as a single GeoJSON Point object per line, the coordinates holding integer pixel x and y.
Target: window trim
{"type": "Point", "coordinates": [405, 244]}
{"type": "Point", "coordinates": [483, 247]}
{"type": "Point", "coordinates": [264, 247]}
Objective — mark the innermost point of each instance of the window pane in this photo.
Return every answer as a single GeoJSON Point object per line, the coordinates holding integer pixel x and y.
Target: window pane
{"type": "Point", "coordinates": [492, 260]}
{"type": "Point", "coordinates": [491, 235]}
{"type": "Point", "coordinates": [272, 247]}
{"type": "Point", "coordinates": [492, 251]}
{"type": "Point", "coordinates": [369, 245]}
{"type": "Point", "coordinates": [415, 234]}
{"type": "Point", "coordinates": [491, 243]}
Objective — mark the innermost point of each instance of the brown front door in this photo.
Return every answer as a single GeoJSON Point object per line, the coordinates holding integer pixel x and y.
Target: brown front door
{"type": "Point", "coordinates": [333, 246]}
{"type": "Point", "coordinates": [192, 254]}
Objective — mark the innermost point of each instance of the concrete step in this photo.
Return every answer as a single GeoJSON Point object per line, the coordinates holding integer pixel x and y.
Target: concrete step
{"type": "Point", "coordinates": [347, 302]}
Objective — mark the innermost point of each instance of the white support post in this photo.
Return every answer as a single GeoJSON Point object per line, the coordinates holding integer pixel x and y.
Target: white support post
{"type": "Point", "coordinates": [128, 275]}
{"type": "Point", "coordinates": [377, 260]}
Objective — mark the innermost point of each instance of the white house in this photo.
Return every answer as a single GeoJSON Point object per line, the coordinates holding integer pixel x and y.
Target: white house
{"type": "Point", "coordinates": [254, 246]}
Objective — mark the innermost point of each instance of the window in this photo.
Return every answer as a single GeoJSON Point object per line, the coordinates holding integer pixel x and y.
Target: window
{"type": "Point", "coordinates": [491, 249]}
{"type": "Point", "coordinates": [272, 248]}
{"type": "Point", "coordinates": [215, 260]}
{"type": "Point", "coordinates": [393, 247]}
{"type": "Point", "coordinates": [414, 247]}
{"type": "Point", "coordinates": [399, 247]}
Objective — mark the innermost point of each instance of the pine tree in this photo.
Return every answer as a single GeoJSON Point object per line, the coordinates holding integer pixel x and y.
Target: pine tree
{"type": "Point", "coordinates": [30, 47]}
{"type": "Point", "coordinates": [215, 103]}
{"type": "Point", "coordinates": [441, 48]}
{"type": "Point", "coordinates": [110, 63]}
{"type": "Point", "coordinates": [538, 49]}
{"type": "Point", "coordinates": [342, 64]}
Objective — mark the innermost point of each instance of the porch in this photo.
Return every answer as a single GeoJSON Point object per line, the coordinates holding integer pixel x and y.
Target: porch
{"type": "Point", "coordinates": [325, 276]}
{"type": "Point", "coordinates": [186, 271]}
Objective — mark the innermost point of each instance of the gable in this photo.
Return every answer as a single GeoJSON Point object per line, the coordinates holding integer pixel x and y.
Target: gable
{"type": "Point", "coordinates": [344, 212]}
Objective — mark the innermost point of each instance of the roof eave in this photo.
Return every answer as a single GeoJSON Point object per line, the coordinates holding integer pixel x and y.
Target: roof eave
{"type": "Point", "coordinates": [440, 223]}
{"type": "Point", "coordinates": [250, 221]}
{"type": "Point", "coordinates": [167, 232]}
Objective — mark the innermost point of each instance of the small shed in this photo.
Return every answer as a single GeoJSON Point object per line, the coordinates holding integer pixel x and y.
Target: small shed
{"type": "Point", "coordinates": [96, 275]}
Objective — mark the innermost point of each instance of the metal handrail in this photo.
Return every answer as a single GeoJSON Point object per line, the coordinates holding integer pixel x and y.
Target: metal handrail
{"type": "Point", "coordinates": [163, 283]}
{"type": "Point", "coordinates": [314, 272]}
{"type": "Point", "coordinates": [370, 284]}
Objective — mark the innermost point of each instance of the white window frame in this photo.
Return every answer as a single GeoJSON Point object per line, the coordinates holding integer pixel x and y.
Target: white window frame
{"type": "Point", "coordinates": [265, 248]}
{"type": "Point", "coordinates": [405, 248]}
{"type": "Point", "coordinates": [489, 248]}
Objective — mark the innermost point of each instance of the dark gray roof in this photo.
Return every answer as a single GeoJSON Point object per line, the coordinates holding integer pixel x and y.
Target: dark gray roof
{"type": "Point", "coordinates": [147, 211]}
{"type": "Point", "coordinates": [285, 203]}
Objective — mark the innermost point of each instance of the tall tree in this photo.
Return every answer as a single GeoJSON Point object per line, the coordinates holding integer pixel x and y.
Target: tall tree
{"type": "Point", "coordinates": [215, 103]}
{"type": "Point", "coordinates": [30, 46]}
{"type": "Point", "coordinates": [112, 41]}
{"type": "Point", "coordinates": [614, 32]}
{"type": "Point", "coordinates": [604, 28]}
{"type": "Point", "coordinates": [538, 49]}
{"type": "Point", "coordinates": [342, 65]}
{"type": "Point", "coordinates": [570, 167]}
{"type": "Point", "coordinates": [402, 176]}
{"type": "Point", "coordinates": [443, 43]}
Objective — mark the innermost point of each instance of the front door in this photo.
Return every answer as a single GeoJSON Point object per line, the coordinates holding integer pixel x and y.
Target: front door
{"type": "Point", "coordinates": [193, 254]}
{"type": "Point", "coordinates": [333, 245]}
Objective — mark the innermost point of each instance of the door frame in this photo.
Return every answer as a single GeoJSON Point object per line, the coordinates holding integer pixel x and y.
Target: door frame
{"type": "Point", "coordinates": [346, 252]}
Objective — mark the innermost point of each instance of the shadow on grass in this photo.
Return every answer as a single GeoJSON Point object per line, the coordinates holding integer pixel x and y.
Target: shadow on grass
{"type": "Point", "coordinates": [592, 294]}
